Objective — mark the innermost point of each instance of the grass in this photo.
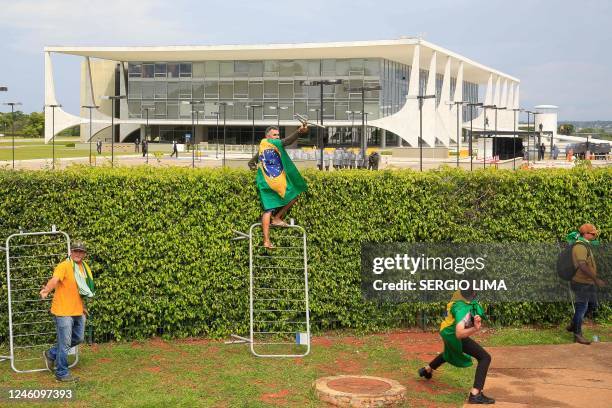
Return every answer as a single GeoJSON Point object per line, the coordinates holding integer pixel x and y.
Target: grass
{"type": "Point", "coordinates": [28, 149]}
{"type": "Point", "coordinates": [192, 373]}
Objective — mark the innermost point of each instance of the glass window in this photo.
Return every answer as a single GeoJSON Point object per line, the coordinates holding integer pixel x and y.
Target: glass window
{"type": "Point", "coordinates": [270, 89]}
{"type": "Point", "coordinates": [226, 90]}
{"type": "Point", "coordinates": [185, 110]}
{"type": "Point", "coordinates": [258, 113]}
{"type": "Point", "coordinates": [256, 69]}
{"type": "Point", "coordinates": [173, 70]}
{"type": "Point", "coordinates": [211, 89]}
{"type": "Point", "coordinates": [329, 67]}
{"type": "Point", "coordinates": [241, 68]}
{"type": "Point", "coordinates": [160, 70]}
{"type": "Point", "coordinates": [341, 92]}
{"type": "Point", "coordinates": [341, 108]}
{"type": "Point", "coordinates": [173, 90]}
{"type": "Point", "coordinates": [328, 110]}
{"type": "Point", "coordinates": [372, 67]}
{"type": "Point", "coordinates": [135, 90]}
{"type": "Point", "coordinates": [160, 109]}
{"type": "Point", "coordinates": [241, 89]}
{"type": "Point", "coordinates": [198, 90]}
{"type": "Point", "coordinates": [185, 90]}
{"type": "Point", "coordinates": [198, 70]}
{"type": "Point", "coordinates": [286, 69]}
{"type": "Point", "coordinates": [212, 69]}
{"type": "Point", "coordinates": [185, 69]}
{"type": "Point", "coordinates": [269, 110]}
{"type": "Point", "coordinates": [342, 67]}
{"type": "Point", "coordinates": [372, 108]}
{"type": "Point", "coordinates": [271, 68]}
{"type": "Point", "coordinates": [300, 68]}
{"type": "Point", "coordinates": [314, 68]}
{"type": "Point", "coordinates": [356, 65]}
{"type": "Point", "coordinates": [240, 110]}
{"type": "Point", "coordinates": [328, 91]}
{"type": "Point", "coordinates": [299, 90]}
{"type": "Point", "coordinates": [148, 90]}
{"type": "Point", "coordinates": [226, 69]}
{"type": "Point", "coordinates": [313, 91]}
{"type": "Point", "coordinates": [256, 90]}
{"type": "Point", "coordinates": [371, 94]}
{"type": "Point", "coordinates": [134, 109]}
{"type": "Point", "coordinates": [173, 111]}
{"type": "Point", "coordinates": [134, 70]}
{"type": "Point", "coordinates": [286, 112]}
{"type": "Point", "coordinates": [286, 90]}
{"type": "Point", "coordinates": [148, 70]}
{"type": "Point", "coordinates": [302, 109]}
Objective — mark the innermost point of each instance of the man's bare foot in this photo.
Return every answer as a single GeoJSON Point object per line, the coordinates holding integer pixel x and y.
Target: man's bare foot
{"type": "Point", "coordinates": [268, 245]}
{"type": "Point", "coordinates": [277, 222]}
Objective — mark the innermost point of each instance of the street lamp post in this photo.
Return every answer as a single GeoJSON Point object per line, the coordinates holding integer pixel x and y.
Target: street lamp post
{"type": "Point", "coordinates": [147, 109]}
{"type": "Point", "coordinates": [253, 129]}
{"type": "Point", "coordinates": [484, 134]}
{"type": "Point", "coordinates": [12, 105]}
{"type": "Point", "coordinates": [352, 126]}
{"type": "Point", "coordinates": [90, 107]}
{"type": "Point", "coordinates": [514, 138]}
{"type": "Point", "coordinates": [363, 90]}
{"type": "Point", "coordinates": [225, 105]}
{"type": "Point", "coordinates": [217, 134]}
{"type": "Point", "coordinates": [496, 109]}
{"type": "Point", "coordinates": [458, 104]}
{"type": "Point", "coordinates": [421, 99]}
{"type": "Point", "coordinates": [112, 98]}
{"type": "Point", "coordinates": [192, 103]}
{"type": "Point", "coordinates": [320, 83]}
{"type": "Point", "coordinates": [318, 135]}
{"type": "Point", "coordinates": [278, 108]}
{"type": "Point", "coordinates": [471, 105]}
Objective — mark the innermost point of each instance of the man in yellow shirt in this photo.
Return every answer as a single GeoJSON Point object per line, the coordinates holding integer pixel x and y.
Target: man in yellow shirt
{"type": "Point", "coordinates": [68, 310]}
{"type": "Point", "coordinates": [585, 280]}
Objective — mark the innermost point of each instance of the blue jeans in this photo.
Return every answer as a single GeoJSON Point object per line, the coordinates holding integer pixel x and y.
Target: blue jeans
{"type": "Point", "coordinates": [586, 299]}
{"type": "Point", "coordinates": [70, 332]}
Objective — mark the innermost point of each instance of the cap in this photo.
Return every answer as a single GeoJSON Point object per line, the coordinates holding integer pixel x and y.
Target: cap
{"type": "Point", "coordinates": [78, 246]}
{"type": "Point", "coordinates": [586, 228]}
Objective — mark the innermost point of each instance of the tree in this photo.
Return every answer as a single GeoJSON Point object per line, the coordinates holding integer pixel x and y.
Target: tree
{"type": "Point", "coordinates": [35, 125]}
{"type": "Point", "coordinates": [566, 129]}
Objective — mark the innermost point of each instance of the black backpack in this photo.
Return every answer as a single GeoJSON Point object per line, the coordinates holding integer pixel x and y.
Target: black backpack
{"type": "Point", "coordinates": [565, 262]}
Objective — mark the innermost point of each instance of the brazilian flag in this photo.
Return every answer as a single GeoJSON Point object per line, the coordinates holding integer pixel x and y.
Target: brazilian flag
{"type": "Point", "coordinates": [278, 180]}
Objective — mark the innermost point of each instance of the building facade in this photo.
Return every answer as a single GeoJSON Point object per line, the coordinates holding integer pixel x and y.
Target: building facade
{"type": "Point", "coordinates": [176, 90]}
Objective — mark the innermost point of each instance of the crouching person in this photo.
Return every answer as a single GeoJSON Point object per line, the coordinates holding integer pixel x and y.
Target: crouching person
{"type": "Point", "coordinates": [71, 279]}
{"type": "Point", "coordinates": [464, 319]}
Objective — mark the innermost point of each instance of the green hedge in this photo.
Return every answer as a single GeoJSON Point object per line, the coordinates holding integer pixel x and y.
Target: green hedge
{"type": "Point", "coordinates": [161, 251]}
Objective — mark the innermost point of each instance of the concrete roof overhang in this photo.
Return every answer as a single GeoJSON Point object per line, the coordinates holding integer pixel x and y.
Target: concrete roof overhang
{"type": "Point", "coordinates": [400, 50]}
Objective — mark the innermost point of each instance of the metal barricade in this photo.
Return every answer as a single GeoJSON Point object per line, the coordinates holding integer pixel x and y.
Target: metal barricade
{"type": "Point", "coordinates": [30, 259]}
{"type": "Point", "coordinates": [278, 293]}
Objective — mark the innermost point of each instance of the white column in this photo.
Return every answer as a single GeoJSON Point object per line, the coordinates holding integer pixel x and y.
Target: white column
{"type": "Point", "coordinates": [415, 75]}
{"type": "Point", "coordinates": [383, 138]}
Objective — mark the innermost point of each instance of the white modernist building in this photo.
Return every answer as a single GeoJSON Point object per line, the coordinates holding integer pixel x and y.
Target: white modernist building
{"type": "Point", "coordinates": [262, 85]}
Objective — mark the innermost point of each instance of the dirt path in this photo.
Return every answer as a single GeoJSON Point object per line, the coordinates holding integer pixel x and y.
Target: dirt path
{"type": "Point", "coordinates": [569, 375]}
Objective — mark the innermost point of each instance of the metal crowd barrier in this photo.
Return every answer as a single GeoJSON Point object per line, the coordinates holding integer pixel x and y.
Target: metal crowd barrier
{"type": "Point", "coordinates": [278, 293]}
{"type": "Point", "coordinates": [30, 259]}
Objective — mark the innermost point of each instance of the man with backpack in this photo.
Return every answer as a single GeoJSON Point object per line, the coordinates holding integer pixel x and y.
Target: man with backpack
{"type": "Point", "coordinates": [584, 282]}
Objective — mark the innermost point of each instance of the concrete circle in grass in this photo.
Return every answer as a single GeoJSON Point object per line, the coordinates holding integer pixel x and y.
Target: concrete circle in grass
{"type": "Point", "coordinates": [359, 391]}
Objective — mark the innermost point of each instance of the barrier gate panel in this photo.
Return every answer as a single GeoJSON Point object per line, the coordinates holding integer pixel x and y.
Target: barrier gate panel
{"type": "Point", "coordinates": [279, 309]}
{"type": "Point", "coordinates": [30, 260]}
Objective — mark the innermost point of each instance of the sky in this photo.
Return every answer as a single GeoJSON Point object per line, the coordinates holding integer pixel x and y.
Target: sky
{"type": "Point", "coordinates": [559, 49]}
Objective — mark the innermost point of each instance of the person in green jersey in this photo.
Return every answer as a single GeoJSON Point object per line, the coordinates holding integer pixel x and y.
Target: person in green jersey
{"type": "Point", "coordinates": [464, 319]}
{"type": "Point", "coordinates": [278, 180]}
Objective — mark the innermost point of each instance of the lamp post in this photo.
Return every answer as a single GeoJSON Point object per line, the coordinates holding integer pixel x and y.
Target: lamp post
{"type": "Point", "coordinates": [320, 83]}
{"type": "Point", "coordinates": [363, 90]}
{"type": "Point", "coordinates": [203, 112]}
{"type": "Point", "coordinates": [529, 133]}
{"type": "Point", "coordinates": [90, 107]}
{"type": "Point", "coordinates": [484, 134]}
{"type": "Point", "coordinates": [53, 106]}
{"type": "Point", "coordinates": [497, 108]}
{"type": "Point", "coordinates": [225, 105]}
{"type": "Point", "coordinates": [352, 113]}
{"type": "Point", "coordinates": [457, 104]}
{"type": "Point", "coordinates": [12, 105]}
{"type": "Point", "coordinates": [192, 103]}
{"type": "Point", "coordinates": [253, 106]}
{"type": "Point", "coordinates": [421, 99]}
{"type": "Point", "coordinates": [217, 134]}
{"type": "Point", "coordinates": [112, 98]}
{"type": "Point", "coordinates": [471, 105]}
{"type": "Point", "coordinates": [514, 138]}
{"type": "Point", "coordinates": [147, 109]}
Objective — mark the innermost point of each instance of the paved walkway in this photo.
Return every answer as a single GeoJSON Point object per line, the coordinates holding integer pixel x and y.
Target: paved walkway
{"type": "Point", "coordinates": [569, 375]}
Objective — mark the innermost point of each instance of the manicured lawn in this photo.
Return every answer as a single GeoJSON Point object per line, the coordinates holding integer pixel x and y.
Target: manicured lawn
{"type": "Point", "coordinates": [205, 373]}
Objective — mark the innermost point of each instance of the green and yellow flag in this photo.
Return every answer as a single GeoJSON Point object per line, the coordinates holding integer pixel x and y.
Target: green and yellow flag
{"type": "Point", "coordinates": [278, 180]}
